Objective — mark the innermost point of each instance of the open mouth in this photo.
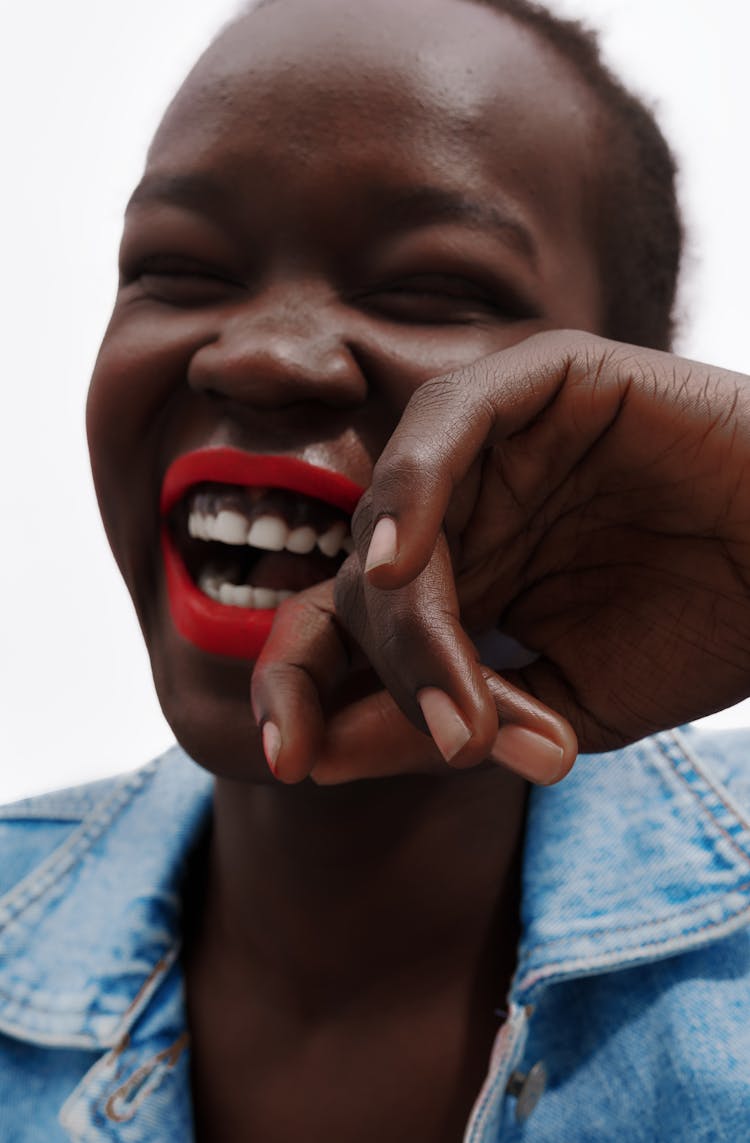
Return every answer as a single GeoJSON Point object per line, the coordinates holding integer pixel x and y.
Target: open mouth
{"type": "Point", "coordinates": [243, 546]}
{"type": "Point", "coordinates": [240, 534]}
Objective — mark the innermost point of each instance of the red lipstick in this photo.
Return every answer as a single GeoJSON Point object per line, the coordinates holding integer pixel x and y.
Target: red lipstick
{"type": "Point", "coordinates": [215, 627]}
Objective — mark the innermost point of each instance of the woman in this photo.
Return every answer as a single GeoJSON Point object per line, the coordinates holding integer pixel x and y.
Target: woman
{"type": "Point", "coordinates": [360, 238]}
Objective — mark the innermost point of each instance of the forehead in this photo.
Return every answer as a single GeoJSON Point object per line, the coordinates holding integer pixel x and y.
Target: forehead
{"type": "Point", "coordinates": [347, 102]}
{"type": "Point", "coordinates": [449, 78]}
{"type": "Point", "coordinates": [458, 54]}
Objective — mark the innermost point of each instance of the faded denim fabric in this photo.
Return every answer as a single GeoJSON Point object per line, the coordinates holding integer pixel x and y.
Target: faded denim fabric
{"type": "Point", "coordinates": [633, 980]}
{"type": "Point", "coordinates": [92, 1020]}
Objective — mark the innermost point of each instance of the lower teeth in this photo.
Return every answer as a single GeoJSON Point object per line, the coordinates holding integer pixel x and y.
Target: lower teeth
{"type": "Point", "coordinates": [241, 595]}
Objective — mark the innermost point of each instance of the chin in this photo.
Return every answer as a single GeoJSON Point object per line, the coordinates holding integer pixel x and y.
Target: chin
{"type": "Point", "coordinates": [206, 701]}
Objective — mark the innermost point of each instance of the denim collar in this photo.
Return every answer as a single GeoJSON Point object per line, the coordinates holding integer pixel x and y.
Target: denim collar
{"type": "Point", "coordinates": [638, 854]}
{"type": "Point", "coordinates": [90, 933]}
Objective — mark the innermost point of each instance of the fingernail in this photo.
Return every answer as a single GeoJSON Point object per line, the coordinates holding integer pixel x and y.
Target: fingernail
{"type": "Point", "coordinates": [271, 744]}
{"type": "Point", "coordinates": [383, 544]}
{"type": "Point", "coordinates": [529, 754]}
{"type": "Point", "coordinates": [444, 720]}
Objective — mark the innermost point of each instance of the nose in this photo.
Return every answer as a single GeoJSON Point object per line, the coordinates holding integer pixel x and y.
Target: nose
{"type": "Point", "coordinates": [282, 347]}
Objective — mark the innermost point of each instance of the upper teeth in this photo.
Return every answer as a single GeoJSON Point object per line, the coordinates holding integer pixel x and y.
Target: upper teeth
{"type": "Point", "coordinates": [270, 533]}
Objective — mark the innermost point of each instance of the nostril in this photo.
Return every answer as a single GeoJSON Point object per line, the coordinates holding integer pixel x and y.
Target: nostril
{"type": "Point", "coordinates": [264, 367]}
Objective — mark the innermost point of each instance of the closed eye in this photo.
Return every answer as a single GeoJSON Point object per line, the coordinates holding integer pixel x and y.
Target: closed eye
{"type": "Point", "coordinates": [180, 281]}
{"type": "Point", "coordinates": [435, 299]}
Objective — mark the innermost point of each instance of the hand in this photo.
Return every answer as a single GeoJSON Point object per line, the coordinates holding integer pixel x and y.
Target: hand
{"type": "Point", "coordinates": [595, 503]}
{"type": "Point", "coordinates": [325, 713]}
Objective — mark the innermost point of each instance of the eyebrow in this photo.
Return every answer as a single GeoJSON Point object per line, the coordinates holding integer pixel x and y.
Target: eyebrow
{"type": "Point", "coordinates": [427, 204]}
{"type": "Point", "coordinates": [415, 206]}
{"type": "Point", "coordinates": [181, 190]}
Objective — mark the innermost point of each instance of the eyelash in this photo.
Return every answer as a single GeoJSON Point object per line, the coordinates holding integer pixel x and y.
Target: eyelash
{"type": "Point", "coordinates": [420, 299]}
{"type": "Point", "coordinates": [180, 281]}
{"type": "Point", "coordinates": [450, 292]}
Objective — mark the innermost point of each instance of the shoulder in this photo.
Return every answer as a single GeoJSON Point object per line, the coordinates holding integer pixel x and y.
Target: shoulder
{"type": "Point", "coordinates": [34, 829]}
{"type": "Point", "coordinates": [90, 899]}
{"type": "Point", "coordinates": [640, 853]}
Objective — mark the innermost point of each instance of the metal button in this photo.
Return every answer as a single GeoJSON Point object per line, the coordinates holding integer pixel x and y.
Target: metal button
{"type": "Point", "coordinates": [528, 1088]}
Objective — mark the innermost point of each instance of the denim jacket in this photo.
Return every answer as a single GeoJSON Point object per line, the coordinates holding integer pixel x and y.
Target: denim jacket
{"type": "Point", "coordinates": [628, 1017]}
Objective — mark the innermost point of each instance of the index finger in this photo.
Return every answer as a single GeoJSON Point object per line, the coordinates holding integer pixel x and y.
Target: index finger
{"type": "Point", "coordinates": [444, 429]}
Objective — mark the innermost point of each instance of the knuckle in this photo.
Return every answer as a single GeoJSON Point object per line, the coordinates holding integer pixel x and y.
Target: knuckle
{"type": "Point", "coordinates": [435, 396]}
{"type": "Point", "coordinates": [599, 362]}
{"type": "Point", "coordinates": [460, 402]}
{"type": "Point", "coordinates": [348, 589]}
{"type": "Point", "coordinates": [362, 519]}
{"type": "Point", "coordinates": [312, 602]}
{"type": "Point", "coordinates": [268, 676]}
{"type": "Point", "coordinates": [286, 681]}
{"type": "Point", "coordinates": [395, 628]}
{"type": "Point", "coordinates": [404, 470]}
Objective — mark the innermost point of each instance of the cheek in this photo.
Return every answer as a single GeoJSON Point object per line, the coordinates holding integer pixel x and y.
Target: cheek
{"type": "Point", "coordinates": [397, 364]}
{"type": "Point", "coordinates": [132, 382]}
{"type": "Point", "coordinates": [140, 365]}
{"type": "Point", "coordinates": [140, 370]}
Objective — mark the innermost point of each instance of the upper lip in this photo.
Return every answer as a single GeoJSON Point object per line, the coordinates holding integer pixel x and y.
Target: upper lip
{"type": "Point", "coordinates": [225, 465]}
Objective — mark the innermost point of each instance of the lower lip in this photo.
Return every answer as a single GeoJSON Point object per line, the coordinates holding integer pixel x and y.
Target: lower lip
{"type": "Point", "coordinates": [236, 632]}
{"type": "Point", "coordinates": [214, 627]}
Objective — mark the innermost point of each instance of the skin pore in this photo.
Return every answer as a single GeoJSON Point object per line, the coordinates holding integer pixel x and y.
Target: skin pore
{"type": "Point", "coordinates": [337, 208]}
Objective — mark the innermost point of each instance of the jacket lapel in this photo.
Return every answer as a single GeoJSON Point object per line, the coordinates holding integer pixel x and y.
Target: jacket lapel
{"type": "Point", "coordinates": [639, 854]}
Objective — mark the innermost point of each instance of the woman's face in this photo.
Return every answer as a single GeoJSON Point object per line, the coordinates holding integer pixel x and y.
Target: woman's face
{"type": "Point", "coordinates": [340, 204]}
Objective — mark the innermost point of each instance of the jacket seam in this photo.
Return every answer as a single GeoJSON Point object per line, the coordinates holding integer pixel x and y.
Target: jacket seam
{"type": "Point", "coordinates": [153, 1072]}
{"type": "Point", "coordinates": [64, 856]}
{"type": "Point", "coordinates": [653, 921]}
{"type": "Point", "coordinates": [159, 970]}
{"type": "Point", "coordinates": [699, 797]}
{"type": "Point", "coordinates": [716, 788]}
{"type": "Point", "coordinates": [614, 960]}
{"type": "Point", "coordinates": [676, 753]}
{"type": "Point", "coordinates": [684, 911]}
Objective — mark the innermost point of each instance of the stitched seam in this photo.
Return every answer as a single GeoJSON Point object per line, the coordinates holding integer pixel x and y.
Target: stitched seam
{"type": "Point", "coordinates": [737, 921]}
{"type": "Point", "coordinates": [32, 815]}
{"type": "Point", "coordinates": [154, 979]}
{"type": "Point", "coordinates": [45, 875]}
{"type": "Point", "coordinates": [699, 796]}
{"type": "Point", "coordinates": [684, 911]}
{"type": "Point", "coordinates": [720, 793]}
{"type": "Point", "coordinates": [66, 1115]}
{"type": "Point", "coordinates": [123, 1019]}
{"type": "Point", "coordinates": [636, 926]}
{"type": "Point", "coordinates": [158, 1067]}
{"type": "Point", "coordinates": [488, 1099]}
{"type": "Point", "coordinates": [732, 920]}
{"type": "Point", "coordinates": [479, 1121]}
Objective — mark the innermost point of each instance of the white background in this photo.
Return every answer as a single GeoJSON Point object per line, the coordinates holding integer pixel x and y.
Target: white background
{"type": "Point", "coordinates": [82, 85]}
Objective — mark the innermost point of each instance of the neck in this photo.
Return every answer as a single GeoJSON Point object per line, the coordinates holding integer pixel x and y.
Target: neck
{"type": "Point", "coordinates": [326, 894]}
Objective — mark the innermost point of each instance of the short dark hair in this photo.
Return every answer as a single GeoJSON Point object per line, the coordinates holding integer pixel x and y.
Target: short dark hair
{"type": "Point", "coordinates": [638, 229]}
